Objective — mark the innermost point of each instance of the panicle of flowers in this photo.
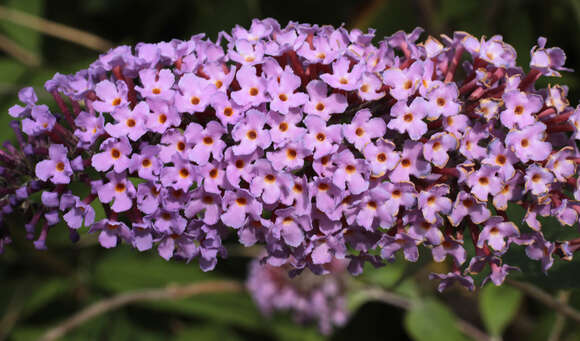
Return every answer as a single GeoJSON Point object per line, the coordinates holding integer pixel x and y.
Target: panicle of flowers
{"type": "Point", "coordinates": [309, 140]}
{"type": "Point", "coordinates": [308, 297]}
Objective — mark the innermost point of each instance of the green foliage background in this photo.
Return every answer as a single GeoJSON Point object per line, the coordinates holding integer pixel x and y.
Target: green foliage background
{"type": "Point", "coordinates": [39, 289]}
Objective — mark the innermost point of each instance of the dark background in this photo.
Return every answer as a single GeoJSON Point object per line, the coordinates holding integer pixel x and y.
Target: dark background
{"type": "Point", "coordinates": [39, 289]}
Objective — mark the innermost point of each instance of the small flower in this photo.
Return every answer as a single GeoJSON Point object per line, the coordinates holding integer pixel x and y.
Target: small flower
{"type": "Point", "coordinates": [57, 168]}
{"type": "Point", "coordinates": [115, 153]}
{"type": "Point", "coordinates": [129, 122]}
{"type": "Point", "coordinates": [321, 138]}
{"type": "Point", "coordinates": [520, 108]}
{"type": "Point", "coordinates": [434, 201]}
{"type": "Point", "coordinates": [111, 96]}
{"type": "Point", "coordinates": [381, 156]}
{"type": "Point", "coordinates": [283, 92]}
{"type": "Point", "coordinates": [237, 205]}
{"type": "Point", "coordinates": [111, 232]}
{"type": "Point", "coordinates": [253, 88]}
{"type": "Point", "coordinates": [320, 103]}
{"type": "Point", "coordinates": [538, 180]}
{"type": "Point", "coordinates": [156, 85]}
{"type": "Point", "coordinates": [495, 232]}
{"type": "Point", "coordinates": [251, 133]}
{"type": "Point", "coordinates": [341, 77]}
{"type": "Point", "coordinates": [206, 142]}
{"type": "Point", "coordinates": [528, 143]}
{"type": "Point", "coordinates": [409, 118]}
{"type": "Point", "coordinates": [484, 182]}
{"type": "Point", "coordinates": [120, 190]}
{"type": "Point", "coordinates": [363, 128]}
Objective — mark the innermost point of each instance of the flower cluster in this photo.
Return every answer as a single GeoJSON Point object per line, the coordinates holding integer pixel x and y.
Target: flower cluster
{"type": "Point", "coordinates": [309, 140]}
{"type": "Point", "coordinates": [308, 297]}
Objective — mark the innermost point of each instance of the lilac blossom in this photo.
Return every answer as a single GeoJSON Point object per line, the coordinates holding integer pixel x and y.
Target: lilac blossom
{"type": "Point", "coordinates": [308, 140]}
{"type": "Point", "coordinates": [57, 168]}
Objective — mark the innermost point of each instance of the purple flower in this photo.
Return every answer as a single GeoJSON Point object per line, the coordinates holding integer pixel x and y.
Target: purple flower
{"type": "Point", "coordinates": [341, 77]}
{"type": "Point", "coordinates": [449, 278]}
{"type": "Point", "coordinates": [289, 227]}
{"type": "Point", "coordinates": [79, 212]}
{"type": "Point", "coordinates": [90, 127]}
{"type": "Point", "coordinates": [451, 247]}
{"type": "Point", "coordinates": [119, 189]}
{"type": "Point", "coordinates": [282, 92]}
{"type": "Point", "coordinates": [321, 104]}
{"type": "Point", "coordinates": [146, 163]}
{"type": "Point", "coordinates": [237, 205]}
{"type": "Point", "coordinates": [411, 163]}
{"type": "Point", "coordinates": [437, 148]}
{"type": "Point", "coordinates": [538, 180]}
{"type": "Point", "coordinates": [495, 232]}
{"type": "Point", "coordinates": [57, 168]}
{"type": "Point", "coordinates": [111, 232]}
{"type": "Point", "coordinates": [251, 133]}
{"type": "Point", "coordinates": [156, 84]}
{"type": "Point", "coordinates": [195, 94]}
{"type": "Point", "coordinates": [350, 171]}
{"type": "Point", "coordinates": [111, 96]}
{"type": "Point", "coordinates": [27, 96]}
{"type": "Point", "coordinates": [421, 230]}
{"type": "Point", "coordinates": [363, 128]}
{"type": "Point", "coordinates": [205, 142]}
{"type": "Point", "coordinates": [382, 156]}
{"type": "Point", "coordinates": [207, 203]}
{"type": "Point", "coordinates": [519, 109]}
{"type": "Point", "coordinates": [253, 88]}
{"type": "Point", "coordinates": [403, 83]}
{"type": "Point", "coordinates": [130, 123]}
{"type": "Point", "coordinates": [409, 118]}
{"type": "Point", "coordinates": [162, 117]}
{"type": "Point", "coordinates": [320, 137]}
{"type": "Point", "coordinates": [528, 143]}
{"type": "Point", "coordinates": [400, 241]}
{"type": "Point", "coordinates": [443, 100]}
{"type": "Point", "coordinates": [42, 121]}
{"type": "Point", "coordinates": [484, 182]}
{"type": "Point", "coordinates": [433, 202]}
{"type": "Point", "coordinates": [181, 176]}
{"type": "Point", "coordinates": [284, 127]}
{"type": "Point", "coordinates": [228, 112]}
{"type": "Point", "coordinates": [267, 183]}
{"type": "Point", "coordinates": [115, 153]}
{"type": "Point", "coordinates": [501, 157]}
{"type": "Point", "coordinates": [547, 61]}
{"type": "Point", "coordinates": [466, 205]}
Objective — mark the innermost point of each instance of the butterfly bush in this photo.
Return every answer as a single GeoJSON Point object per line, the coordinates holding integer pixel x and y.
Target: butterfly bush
{"type": "Point", "coordinates": [310, 298]}
{"type": "Point", "coordinates": [309, 140]}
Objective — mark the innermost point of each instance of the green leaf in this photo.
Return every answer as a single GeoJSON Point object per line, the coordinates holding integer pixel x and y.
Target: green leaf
{"type": "Point", "coordinates": [208, 333]}
{"type": "Point", "coordinates": [129, 270]}
{"type": "Point", "coordinates": [44, 294]}
{"type": "Point", "coordinates": [27, 38]}
{"type": "Point", "coordinates": [498, 306]}
{"type": "Point", "coordinates": [429, 320]}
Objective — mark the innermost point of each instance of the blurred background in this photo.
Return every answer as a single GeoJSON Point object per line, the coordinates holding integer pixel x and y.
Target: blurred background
{"type": "Point", "coordinates": [39, 289]}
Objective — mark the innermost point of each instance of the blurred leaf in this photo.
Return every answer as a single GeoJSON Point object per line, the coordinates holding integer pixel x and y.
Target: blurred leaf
{"type": "Point", "coordinates": [26, 37]}
{"type": "Point", "coordinates": [26, 333]}
{"type": "Point", "coordinates": [288, 331]}
{"type": "Point", "coordinates": [129, 270]}
{"type": "Point", "coordinates": [208, 333]}
{"type": "Point", "coordinates": [451, 9]}
{"type": "Point", "coordinates": [44, 294]}
{"type": "Point", "coordinates": [498, 306]}
{"type": "Point", "coordinates": [385, 276]}
{"type": "Point", "coordinates": [429, 320]}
